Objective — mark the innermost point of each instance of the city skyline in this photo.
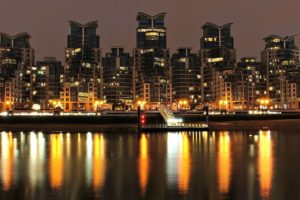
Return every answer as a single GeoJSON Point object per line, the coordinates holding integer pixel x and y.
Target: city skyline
{"type": "Point", "coordinates": [118, 28]}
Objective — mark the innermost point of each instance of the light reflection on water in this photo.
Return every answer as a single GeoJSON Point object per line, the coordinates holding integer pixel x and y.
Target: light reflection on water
{"type": "Point", "coordinates": [224, 162]}
{"type": "Point", "coordinates": [56, 160]}
{"type": "Point", "coordinates": [143, 163]}
{"type": "Point", "coordinates": [7, 160]}
{"type": "Point", "coordinates": [265, 163]}
{"type": "Point", "coordinates": [208, 165]}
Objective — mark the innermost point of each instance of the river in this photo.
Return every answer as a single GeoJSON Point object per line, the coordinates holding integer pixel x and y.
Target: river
{"type": "Point", "coordinates": [245, 164]}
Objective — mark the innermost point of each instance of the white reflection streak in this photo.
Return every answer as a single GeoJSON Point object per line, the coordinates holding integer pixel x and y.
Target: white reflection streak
{"type": "Point", "coordinates": [36, 158]}
{"type": "Point", "coordinates": [89, 157]}
{"type": "Point", "coordinates": [68, 143]}
{"type": "Point", "coordinates": [32, 159]}
{"type": "Point", "coordinates": [174, 141]}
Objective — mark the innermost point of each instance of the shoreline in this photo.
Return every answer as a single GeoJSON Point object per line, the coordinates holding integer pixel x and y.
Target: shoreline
{"type": "Point", "coordinates": [250, 125]}
{"type": "Point", "coordinates": [132, 118]}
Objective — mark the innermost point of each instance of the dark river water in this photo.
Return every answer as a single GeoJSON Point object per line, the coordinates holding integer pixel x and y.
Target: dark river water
{"type": "Point", "coordinates": [122, 165]}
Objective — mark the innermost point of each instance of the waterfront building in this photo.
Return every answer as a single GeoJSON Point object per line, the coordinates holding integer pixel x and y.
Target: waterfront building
{"type": "Point", "coordinates": [216, 54]}
{"type": "Point", "coordinates": [231, 90]}
{"type": "Point", "coordinates": [151, 68]}
{"type": "Point", "coordinates": [186, 77]}
{"type": "Point", "coordinates": [293, 87]}
{"type": "Point", "coordinates": [279, 56]}
{"type": "Point", "coordinates": [252, 71]}
{"type": "Point", "coordinates": [117, 73]}
{"type": "Point", "coordinates": [16, 61]}
{"type": "Point", "coordinates": [82, 70]}
{"type": "Point", "coordinates": [47, 82]}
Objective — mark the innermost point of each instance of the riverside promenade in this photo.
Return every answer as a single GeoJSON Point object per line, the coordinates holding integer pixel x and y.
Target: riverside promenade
{"type": "Point", "coordinates": [129, 122]}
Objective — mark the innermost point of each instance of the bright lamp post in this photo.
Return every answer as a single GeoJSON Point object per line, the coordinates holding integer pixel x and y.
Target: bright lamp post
{"type": "Point", "coordinates": [98, 104]}
{"type": "Point", "coordinates": [263, 103]}
{"type": "Point", "coordinates": [182, 104]}
{"type": "Point", "coordinates": [141, 104]}
{"type": "Point", "coordinates": [223, 104]}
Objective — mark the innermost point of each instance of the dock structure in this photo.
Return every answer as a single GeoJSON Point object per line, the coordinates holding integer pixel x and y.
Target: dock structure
{"type": "Point", "coordinates": [183, 127]}
{"type": "Point", "coordinates": [172, 123]}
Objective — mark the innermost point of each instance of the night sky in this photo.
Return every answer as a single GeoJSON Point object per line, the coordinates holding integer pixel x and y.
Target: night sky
{"type": "Point", "coordinates": [47, 21]}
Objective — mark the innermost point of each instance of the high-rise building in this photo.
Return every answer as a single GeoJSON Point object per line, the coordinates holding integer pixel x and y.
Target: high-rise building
{"type": "Point", "coordinates": [256, 80]}
{"type": "Point", "coordinates": [231, 89]}
{"type": "Point", "coordinates": [186, 77]}
{"type": "Point", "coordinates": [117, 73]}
{"type": "Point", "coordinates": [216, 54]}
{"type": "Point", "coordinates": [279, 56]}
{"type": "Point", "coordinates": [16, 61]}
{"type": "Point", "coordinates": [47, 82]}
{"type": "Point", "coordinates": [82, 71]}
{"type": "Point", "coordinates": [151, 73]}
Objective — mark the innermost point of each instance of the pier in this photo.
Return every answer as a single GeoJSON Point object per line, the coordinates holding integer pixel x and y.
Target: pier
{"type": "Point", "coordinates": [171, 123]}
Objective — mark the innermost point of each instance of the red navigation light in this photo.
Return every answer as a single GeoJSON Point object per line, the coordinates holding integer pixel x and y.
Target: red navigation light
{"type": "Point", "coordinates": [143, 119]}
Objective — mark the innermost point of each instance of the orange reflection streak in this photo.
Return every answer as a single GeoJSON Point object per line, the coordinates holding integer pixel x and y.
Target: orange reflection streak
{"type": "Point", "coordinates": [143, 163]}
{"type": "Point", "coordinates": [56, 161]}
{"type": "Point", "coordinates": [99, 162]}
{"type": "Point", "coordinates": [224, 165]}
{"type": "Point", "coordinates": [7, 154]}
{"type": "Point", "coordinates": [184, 165]}
{"type": "Point", "coordinates": [265, 163]}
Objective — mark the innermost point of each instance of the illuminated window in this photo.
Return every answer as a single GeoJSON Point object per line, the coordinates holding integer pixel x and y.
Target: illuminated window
{"type": "Point", "coordinates": [214, 60]}
{"type": "Point", "coordinates": [211, 39]}
{"type": "Point", "coordinates": [152, 34]}
{"type": "Point", "coordinates": [77, 50]}
{"type": "Point", "coordinates": [182, 60]}
{"type": "Point", "coordinates": [276, 40]}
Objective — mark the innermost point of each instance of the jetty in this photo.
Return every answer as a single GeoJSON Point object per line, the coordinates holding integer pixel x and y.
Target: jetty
{"type": "Point", "coordinates": [171, 123]}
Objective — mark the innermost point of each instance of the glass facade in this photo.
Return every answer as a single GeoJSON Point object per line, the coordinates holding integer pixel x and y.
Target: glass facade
{"type": "Point", "coordinates": [186, 76]}
{"type": "Point", "coordinates": [47, 81]}
{"type": "Point", "coordinates": [151, 32]}
{"type": "Point", "coordinates": [151, 60]}
{"type": "Point", "coordinates": [279, 57]}
{"type": "Point", "coordinates": [16, 60]}
{"type": "Point", "coordinates": [117, 70]}
{"type": "Point", "coordinates": [83, 72]}
{"type": "Point", "coordinates": [216, 54]}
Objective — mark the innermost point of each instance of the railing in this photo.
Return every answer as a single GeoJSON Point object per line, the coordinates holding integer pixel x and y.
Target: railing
{"type": "Point", "coordinates": [168, 116]}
